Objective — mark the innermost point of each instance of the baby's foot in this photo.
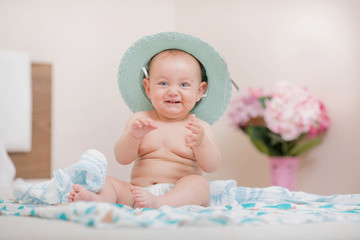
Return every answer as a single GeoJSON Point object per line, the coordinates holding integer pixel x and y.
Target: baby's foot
{"type": "Point", "coordinates": [82, 194]}
{"type": "Point", "coordinates": [143, 198]}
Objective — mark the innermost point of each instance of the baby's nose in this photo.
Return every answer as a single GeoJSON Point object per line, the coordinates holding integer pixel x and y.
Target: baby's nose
{"type": "Point", "coordinates": [172, 90]}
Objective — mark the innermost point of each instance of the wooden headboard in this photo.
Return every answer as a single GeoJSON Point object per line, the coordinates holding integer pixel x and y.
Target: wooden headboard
{"type": "Point", "coordinates": [37, 162]}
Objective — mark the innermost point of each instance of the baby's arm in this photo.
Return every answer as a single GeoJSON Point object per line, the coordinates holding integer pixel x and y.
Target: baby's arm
{"type": "Point", "coordinates": [201, 140]}
{"type": "Point", "coordinates": [126, 149]}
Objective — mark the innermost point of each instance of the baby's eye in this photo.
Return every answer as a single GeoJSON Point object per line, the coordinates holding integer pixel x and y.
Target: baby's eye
{"type": "Point", "coordinates": [163, 84]}
{"type": "Point", "coordinates": [184, 85]}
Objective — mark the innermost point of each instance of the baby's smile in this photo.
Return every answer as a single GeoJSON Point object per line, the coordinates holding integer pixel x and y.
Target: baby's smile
{"type": "Point", "coordinates": [172, 101]}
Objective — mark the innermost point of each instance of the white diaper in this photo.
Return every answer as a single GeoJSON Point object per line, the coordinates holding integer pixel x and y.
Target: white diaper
{"type": "Point", "coordinates": [222, 192]}
{"type": "Point", "coordinates": [160, 188]}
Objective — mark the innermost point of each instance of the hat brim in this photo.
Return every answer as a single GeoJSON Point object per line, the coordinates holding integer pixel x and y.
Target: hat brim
{"type": "Point", "coordinates": [130, 75]}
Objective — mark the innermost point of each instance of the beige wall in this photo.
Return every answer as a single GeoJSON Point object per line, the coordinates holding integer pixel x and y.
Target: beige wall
{"type": "Point", "coordinates": [312, 43]}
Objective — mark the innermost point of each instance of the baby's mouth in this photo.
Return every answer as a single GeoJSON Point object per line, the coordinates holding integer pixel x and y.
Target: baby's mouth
{"type": "Point", "coordinates": [172, 101]}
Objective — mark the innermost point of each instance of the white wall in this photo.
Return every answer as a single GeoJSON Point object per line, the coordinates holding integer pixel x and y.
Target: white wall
{"type": "Point", "coordinates": [313, 43]}
{"type": "Point", "coordinates": [84, 41]}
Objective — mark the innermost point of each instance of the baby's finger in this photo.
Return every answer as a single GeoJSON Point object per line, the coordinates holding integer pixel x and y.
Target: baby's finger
{"type": "Point", "coordinates": [148, 123]}
{"type": "Point", "coordinates": [152, 124]}
{"type": "Point", "coordinates": [144, 122]}
{"type": "Point", "coordinates": [188, 137]}
{"type": "Point", "coordinates": [193, 121]}
{"type": "Point", "coordinates": [193, 128]}
{"type": "Point", "coordinates": [193, 118]}
{"type": "Point", "coordinates": [190, 144]}
{"type": "Point", "coordinates": [137, 123]}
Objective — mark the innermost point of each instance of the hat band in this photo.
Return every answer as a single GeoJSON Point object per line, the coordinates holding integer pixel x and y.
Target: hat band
{"type": "Point", "coordinates": [145, 72]}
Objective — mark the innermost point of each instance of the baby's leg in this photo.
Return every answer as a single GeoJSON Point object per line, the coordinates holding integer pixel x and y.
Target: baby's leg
{"type": "Point", "coordinates": [114, 191]}
{"type": "Point", "coordinates": [189, 190]}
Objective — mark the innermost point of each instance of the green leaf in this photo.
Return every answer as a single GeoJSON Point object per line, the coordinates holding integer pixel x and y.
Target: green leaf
{"type": "Point", "coordinates": [261, 146]}
{"type": "Point", "coordinates": [275, 138]}
{"type": "Point", "coordinates": [305, 146]}
{"type": "Point", "coordinates": [259, 136]}
{"type": "Point", "coordinates": [258, 142]}
{"type": "Point", "coordinates": [262, 101]}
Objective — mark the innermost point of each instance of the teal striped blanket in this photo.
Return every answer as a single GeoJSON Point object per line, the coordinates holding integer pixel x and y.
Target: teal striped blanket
{"type": "Point", "coordinates": [230, 205]}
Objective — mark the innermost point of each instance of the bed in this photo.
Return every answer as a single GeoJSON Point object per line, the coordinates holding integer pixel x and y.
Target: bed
{"type": "Point", "coordinates": [236, 212]}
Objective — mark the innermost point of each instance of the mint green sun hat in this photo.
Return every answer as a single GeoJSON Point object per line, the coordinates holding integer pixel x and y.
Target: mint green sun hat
{"type": "Point", "coordinates": [131, 74]}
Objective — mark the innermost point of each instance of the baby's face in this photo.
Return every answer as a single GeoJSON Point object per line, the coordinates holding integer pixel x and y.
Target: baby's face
{"type": "Point", "coordinates": [174, 84]}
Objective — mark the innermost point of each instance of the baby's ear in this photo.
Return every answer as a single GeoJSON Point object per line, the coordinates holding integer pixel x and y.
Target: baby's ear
{"type": "Point", "coordinates": [202, 89]}
{"type": "Point", "coordinates": [146, 83]}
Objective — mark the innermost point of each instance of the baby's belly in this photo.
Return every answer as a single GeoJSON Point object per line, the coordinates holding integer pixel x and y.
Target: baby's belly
{"type": "Point", "coordinates": [152, 171]}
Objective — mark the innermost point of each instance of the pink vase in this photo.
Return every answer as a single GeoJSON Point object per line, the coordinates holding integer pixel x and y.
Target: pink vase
{"type": "Point", "coordinates": [283, 171]}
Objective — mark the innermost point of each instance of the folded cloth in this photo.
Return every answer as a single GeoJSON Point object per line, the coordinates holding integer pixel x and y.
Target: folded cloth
{"type": "Point", "coordinates": [222, 192]}
{"type": "Point", "coordinates": [89, 172]}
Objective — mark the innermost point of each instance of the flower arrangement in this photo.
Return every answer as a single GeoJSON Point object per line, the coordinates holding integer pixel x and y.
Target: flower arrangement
{"type": "Point", "coordinates": [284, 121]}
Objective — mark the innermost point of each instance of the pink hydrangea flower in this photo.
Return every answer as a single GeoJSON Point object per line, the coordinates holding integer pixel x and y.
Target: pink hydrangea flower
{"type": "Point", "coordinates": [289, 111]}
{"type": "Point", "coordinates": [322, 124]}
{"type": "Point", "coordinates": [292, 111]}
{"type": "Point", "coordinates": [245, 107]}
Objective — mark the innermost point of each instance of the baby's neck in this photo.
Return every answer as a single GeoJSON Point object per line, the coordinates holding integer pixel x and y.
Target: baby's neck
{"type": "Point", "coordinates": [158, 117]}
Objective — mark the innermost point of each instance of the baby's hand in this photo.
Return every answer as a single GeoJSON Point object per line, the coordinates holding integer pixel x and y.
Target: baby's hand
{"type": "Point", "coordinates": [197, 133]}
{"type": "Point", "coordinates": [141, 126]}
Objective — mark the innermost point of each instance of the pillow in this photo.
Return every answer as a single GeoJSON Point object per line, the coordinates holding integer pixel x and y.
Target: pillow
{"type": "Point", "coordinates": [7, 168]}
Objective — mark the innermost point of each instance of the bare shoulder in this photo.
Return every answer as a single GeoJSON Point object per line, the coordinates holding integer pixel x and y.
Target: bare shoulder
{"type": "Point", "coordinates": [143, 114]}
{"type": "Point", "coordinates": [205, 125]}
{"type": "Point", "coordinates": [202, 122]}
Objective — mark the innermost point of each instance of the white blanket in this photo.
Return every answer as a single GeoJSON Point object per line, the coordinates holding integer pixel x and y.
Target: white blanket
{"type": "Point", "coordinates": [231, 205]}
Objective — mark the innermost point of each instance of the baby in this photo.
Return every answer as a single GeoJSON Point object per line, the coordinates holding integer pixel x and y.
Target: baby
{"type": "Point", "coordinates": [170, 146]}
